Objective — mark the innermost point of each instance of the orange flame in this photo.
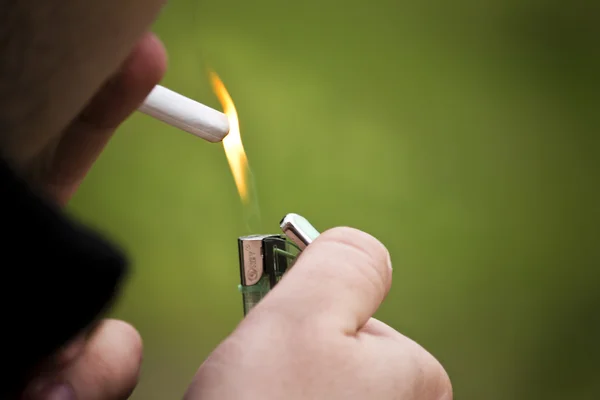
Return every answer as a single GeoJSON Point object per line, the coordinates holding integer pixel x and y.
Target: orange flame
{"type": "Point", "coordinates": [234, 149]}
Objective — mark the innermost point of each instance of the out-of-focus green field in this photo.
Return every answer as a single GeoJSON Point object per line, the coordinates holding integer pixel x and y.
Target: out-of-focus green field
{"type": "Point", "coordinates": [464, 135]}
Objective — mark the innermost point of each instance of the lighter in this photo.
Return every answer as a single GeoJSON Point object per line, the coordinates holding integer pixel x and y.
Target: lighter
{"type": "Point", "coordinates": [264, 259]}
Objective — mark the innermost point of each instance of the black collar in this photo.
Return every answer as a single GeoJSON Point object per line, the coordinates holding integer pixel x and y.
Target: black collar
{"type": "Point", "coordinates": [57, 276]}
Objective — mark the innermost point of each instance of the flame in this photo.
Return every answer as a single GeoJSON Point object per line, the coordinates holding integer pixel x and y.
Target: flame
{"type": "Point", "coordinates": [234, 149]}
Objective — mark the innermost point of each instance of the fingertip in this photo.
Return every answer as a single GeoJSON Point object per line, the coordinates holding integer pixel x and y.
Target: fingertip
{"type": "Point", "coordinates": [146, 65]}
{"type": "Point", "coordinates": [121, 346]}
{"type": "Point", "coordinates": [107, 368]}
{"type": "Point", "coordinates": [110, 366]}
{"type": "Point", "coordinates": [127, 334]}
{"type": "Point", "coordinates": [360, 244]}
{"type": "Point", "coordinates": [129, 341]}
{"type": "Point", "coordinates": [339, 279]}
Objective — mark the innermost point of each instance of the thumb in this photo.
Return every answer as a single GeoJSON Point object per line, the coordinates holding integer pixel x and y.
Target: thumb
{"type": "Point", "coordinates": [341, 278]}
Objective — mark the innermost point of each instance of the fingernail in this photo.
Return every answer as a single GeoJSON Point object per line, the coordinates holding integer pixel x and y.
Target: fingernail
{"type": "Point", "coordinates": [389, 261]}
{"type": "Point", "coordinates": [61, 391]}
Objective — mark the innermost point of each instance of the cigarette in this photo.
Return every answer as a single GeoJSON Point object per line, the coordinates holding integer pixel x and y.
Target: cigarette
{"type": "Point", "coordinates": [186, 114]}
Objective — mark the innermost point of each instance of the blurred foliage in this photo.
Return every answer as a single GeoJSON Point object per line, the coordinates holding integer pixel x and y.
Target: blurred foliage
{"type": "Point", "coordinates": [463, 134]}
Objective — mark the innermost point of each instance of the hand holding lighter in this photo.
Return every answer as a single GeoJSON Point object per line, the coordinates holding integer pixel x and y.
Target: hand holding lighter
{"type": "Point", "coordinates": [264, 259]}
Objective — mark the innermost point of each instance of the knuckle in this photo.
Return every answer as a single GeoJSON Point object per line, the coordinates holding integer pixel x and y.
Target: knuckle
{"type": "Point", "coordinates": [419, 375]}
{"type": "Point", "coordinates": [432, 381]}
{"type": "Point", "coordinates": [364, 252]}
{"type": "Point", "coordinates": [439, 386]}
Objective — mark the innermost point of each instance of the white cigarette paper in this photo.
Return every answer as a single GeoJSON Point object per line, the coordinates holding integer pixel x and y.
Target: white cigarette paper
{"type": "Point", "coordinates": [186, 114]}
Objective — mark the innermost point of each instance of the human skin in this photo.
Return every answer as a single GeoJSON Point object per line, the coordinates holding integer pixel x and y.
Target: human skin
{"type": "Point", "coordinates": [57, 56]}
{"type": "Point", "coordinates": [313, 336]}
{"type": "Point", "coordinates": [74, 71]}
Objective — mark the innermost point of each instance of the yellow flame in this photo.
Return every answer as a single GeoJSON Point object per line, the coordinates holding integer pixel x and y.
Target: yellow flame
{"type": "Point", "coordinates": [234, 149]}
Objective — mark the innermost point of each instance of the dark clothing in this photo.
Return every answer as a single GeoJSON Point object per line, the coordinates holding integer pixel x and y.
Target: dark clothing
{"type": "Point", "coordinates": [57, 278]}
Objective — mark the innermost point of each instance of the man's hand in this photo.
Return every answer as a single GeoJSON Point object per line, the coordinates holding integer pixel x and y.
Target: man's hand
{"type": "Point", "coordinates": [313, 337]}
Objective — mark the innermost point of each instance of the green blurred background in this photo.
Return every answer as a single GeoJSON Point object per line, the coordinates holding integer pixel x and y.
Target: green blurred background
{"type": "Point", "coordinates": [464, 135]}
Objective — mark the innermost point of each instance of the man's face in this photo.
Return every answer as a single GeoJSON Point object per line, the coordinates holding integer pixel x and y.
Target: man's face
{"type": "Point", "coordinates": [55, 56]}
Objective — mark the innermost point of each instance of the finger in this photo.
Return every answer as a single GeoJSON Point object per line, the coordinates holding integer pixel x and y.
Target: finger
{"type": "Point", "coordinates": [87, 136]}
{"type": "Point", "coordinates": [107, 369]}
{"type": "Point", "coordinates": [342, 278]}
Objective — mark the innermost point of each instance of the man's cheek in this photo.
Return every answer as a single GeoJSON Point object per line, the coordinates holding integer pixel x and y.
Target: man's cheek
{"type": "Point", "coordinates": [73, 48]}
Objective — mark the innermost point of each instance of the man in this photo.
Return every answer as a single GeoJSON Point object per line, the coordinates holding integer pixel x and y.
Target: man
{"type": "Point", "coordinates": [71, 73]}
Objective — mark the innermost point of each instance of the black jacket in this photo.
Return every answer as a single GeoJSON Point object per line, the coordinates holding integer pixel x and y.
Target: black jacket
{"type": "Point", "coordinates": [58, 277]}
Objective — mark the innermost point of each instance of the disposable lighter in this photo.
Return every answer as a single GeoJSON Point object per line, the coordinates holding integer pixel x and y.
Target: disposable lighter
{"type": "Point", "coordinates": [264, 259]}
